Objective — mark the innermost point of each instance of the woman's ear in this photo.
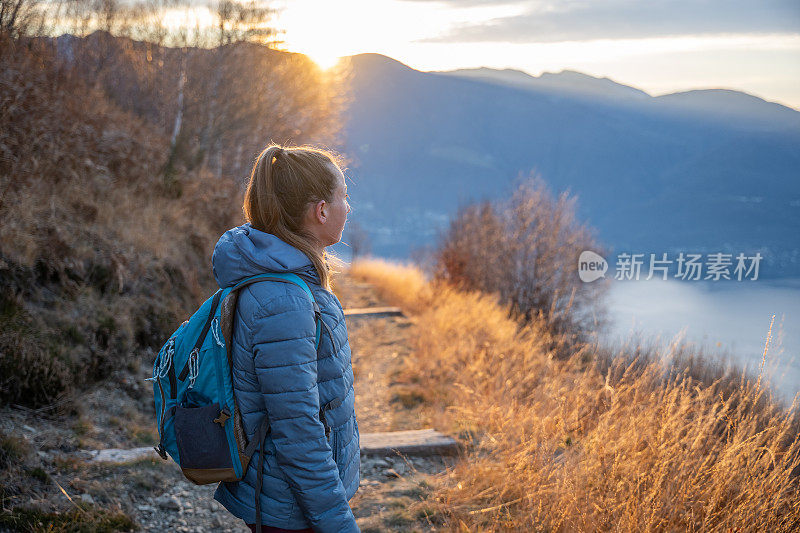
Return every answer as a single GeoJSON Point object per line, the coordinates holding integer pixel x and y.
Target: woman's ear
{"type": "Point", "coordinates": [320, 211]}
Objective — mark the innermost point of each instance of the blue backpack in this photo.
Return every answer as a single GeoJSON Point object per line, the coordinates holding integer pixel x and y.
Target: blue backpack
{"type": "Point", "coordinates": [198, 419]}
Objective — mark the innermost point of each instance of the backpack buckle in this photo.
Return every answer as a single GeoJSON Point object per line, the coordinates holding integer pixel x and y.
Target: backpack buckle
{"type": "Point", "coordinates": [223, 417]}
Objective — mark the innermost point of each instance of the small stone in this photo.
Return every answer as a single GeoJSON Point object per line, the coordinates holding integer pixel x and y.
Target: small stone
{"type": "Point", "coordinates": [146, 508]}
{"type": "Point", "coordinates": [170, 503]}
{"type": "Point", "coordinates": [378, 463]}
{"type": "Point", "coordinates": [400, 467]}
{"type": "Point", "coordinates": [87, 498]}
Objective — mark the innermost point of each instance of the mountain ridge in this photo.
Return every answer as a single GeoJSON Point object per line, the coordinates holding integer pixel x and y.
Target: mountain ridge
{"type": "Point", "coordinates": [655, 174]}
{"type": "Point", "coordinates": [581, 83]}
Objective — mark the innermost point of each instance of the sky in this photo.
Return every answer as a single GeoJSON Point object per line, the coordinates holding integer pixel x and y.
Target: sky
{"type": "Point", "coordinates": [659, 46]}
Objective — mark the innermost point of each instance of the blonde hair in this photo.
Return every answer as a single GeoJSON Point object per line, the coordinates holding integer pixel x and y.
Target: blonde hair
{"type": "Point", "coordinates": [283, 182]}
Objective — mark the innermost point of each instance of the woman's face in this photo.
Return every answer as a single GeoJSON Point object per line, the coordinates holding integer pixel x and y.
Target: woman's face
{"type": "Point", "coordinates": [327, 219]}
{"type": "Point", "coordinates": [339, 208]}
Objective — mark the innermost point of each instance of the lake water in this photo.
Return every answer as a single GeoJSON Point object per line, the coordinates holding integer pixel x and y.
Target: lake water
{"type": "Point", "coordinates": [726, 318]}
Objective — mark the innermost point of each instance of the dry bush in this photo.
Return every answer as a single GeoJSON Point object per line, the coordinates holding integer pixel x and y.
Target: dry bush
{"type": "Point", "coordinates": [599, 441]}
{"type": "Point", "coordinates": [525, 250]}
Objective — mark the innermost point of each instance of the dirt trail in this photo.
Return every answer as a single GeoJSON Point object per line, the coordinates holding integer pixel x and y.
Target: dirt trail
{"type": "Point", "coordinates": [117, 414]}
{"type": "Point", "coordinates": [377, 346]}
{"type": "Point", "coordinates": [390, 484]}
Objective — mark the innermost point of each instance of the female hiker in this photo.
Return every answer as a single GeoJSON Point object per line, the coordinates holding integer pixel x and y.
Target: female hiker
{"type": "Point", "coordinates": [295, 206]}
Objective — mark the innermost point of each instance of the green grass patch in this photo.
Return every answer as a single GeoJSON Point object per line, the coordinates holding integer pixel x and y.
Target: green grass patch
{"type": "Point", "coordinates": [399, 519]}
{"type": "Point", "coordinates": [81, 427]}
{"type": "Point", "coordinates": [38, 473]}
{"type": "Point", "coordinates": [429, 514]}
{"type": "Point", "coordinates": [84, 520]}
{"type": "Point", "coordinates": [12, 449]}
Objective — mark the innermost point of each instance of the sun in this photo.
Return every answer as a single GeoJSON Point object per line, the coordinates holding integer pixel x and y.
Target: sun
{"type": "Point", "coordinates": [324, 31]}
{"type": "Point", "coordinates": [324, 60]}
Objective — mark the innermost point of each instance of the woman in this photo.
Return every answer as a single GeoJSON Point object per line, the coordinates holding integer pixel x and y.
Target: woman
{"type": "Point", "coordinates": [295, 206]}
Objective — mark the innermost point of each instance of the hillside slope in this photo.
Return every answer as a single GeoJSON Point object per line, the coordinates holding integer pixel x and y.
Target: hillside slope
{"type": "Point", "coordinates": [98, 255]}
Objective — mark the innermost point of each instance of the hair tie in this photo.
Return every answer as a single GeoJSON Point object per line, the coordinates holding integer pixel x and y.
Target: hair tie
{"type": "Point", "coordinates": [275, 155]}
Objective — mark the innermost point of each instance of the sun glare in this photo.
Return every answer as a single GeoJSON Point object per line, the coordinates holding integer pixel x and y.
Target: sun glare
{"type": "Point", "coordinates": [320, 30]}
{"type": "Point", "coordinates": [325, 30]}
{"type": "Point", "coordinates": [324, 60]}
{"type": "Point", "coordinates": [195, 17]}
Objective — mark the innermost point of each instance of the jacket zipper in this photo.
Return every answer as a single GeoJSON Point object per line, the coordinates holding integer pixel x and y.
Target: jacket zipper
{"type": "Point", "coordinates": [334, 446]}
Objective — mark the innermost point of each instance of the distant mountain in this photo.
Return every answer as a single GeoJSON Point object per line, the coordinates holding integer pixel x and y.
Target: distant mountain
{"type": "Point", "coordinates": [731, 104]}
{"type": "Point", "coordinates": [707, 171]}
{"type": "Point", "coordinates": [567, 82]}
{"type": "Point", "coordinates": [721, 103]}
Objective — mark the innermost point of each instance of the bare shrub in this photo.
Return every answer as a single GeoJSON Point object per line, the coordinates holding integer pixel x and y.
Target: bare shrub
{"type": "Point", "coordinates": [358, 239]}
{"type": "Point", "coordinates": [526, 251]}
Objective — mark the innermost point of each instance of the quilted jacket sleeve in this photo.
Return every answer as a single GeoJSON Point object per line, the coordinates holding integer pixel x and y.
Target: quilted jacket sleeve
{"type": "Point", "coordinates": [283, 337]}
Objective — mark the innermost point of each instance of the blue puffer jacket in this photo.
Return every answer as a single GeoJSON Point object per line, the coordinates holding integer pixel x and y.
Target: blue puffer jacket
{"type": "Point", "coordinates": [308, 478]}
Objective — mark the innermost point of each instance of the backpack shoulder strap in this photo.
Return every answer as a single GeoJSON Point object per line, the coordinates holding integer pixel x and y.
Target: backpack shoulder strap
{"type": "Point", "coordinates": [264, 427]}
{"type": "Point", "coordinates": [287, 277]}
{"type": "Point", "coordinates": [222, 294]}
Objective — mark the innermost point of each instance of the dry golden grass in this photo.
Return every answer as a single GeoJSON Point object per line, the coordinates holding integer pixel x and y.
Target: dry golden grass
{"type": "Point", "coordinates": [405, 285]}
{"type": "Point", "coordinates": [593, 442]}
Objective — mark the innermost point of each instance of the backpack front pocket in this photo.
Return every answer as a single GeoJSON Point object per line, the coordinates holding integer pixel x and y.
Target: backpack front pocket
{"type": "Point", "coordinates": [202, 442]}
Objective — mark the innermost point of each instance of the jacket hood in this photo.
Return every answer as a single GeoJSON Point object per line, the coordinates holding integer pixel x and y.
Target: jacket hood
{"type": "Point", "coordinates": [244, 251]}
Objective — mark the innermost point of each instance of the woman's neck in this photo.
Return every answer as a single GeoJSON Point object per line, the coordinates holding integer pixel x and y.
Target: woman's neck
{"type": "Point", "coordinates": [318, 248]}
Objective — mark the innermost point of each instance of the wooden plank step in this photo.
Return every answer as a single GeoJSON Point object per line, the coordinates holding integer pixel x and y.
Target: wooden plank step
{"type": "Point", "coordinates": [373, 312]}
{"type": "Point", "coordinates": [425, 442]}
{"type": "Point", "coordinates": [422, 442]}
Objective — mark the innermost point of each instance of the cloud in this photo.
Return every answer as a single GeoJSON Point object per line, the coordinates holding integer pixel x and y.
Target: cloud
{"type": "Point", "coordinates": [580, 20]}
